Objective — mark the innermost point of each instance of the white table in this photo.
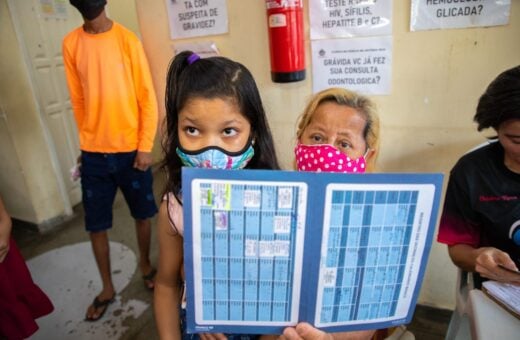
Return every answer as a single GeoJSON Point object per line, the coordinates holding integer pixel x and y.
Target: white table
{"type": "Point", "coordinates": [489, 320]}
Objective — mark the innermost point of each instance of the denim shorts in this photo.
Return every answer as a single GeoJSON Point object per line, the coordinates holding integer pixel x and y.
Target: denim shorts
{"type": "Point", "coordinates": [101, 175]}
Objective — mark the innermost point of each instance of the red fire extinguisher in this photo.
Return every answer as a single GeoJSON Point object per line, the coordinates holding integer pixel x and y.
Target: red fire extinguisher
{"type": "Point", "coordinates": [286, 40]}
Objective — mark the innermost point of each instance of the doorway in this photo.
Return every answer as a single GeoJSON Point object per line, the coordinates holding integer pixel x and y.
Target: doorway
{"type": "Point", "coordinates": [40, 26]}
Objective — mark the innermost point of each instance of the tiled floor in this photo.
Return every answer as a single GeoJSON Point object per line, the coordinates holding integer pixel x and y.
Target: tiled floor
{"type": "Point", "coordinates": [32, 244]}
{"type": "Point", "coordinates": [428, 323]}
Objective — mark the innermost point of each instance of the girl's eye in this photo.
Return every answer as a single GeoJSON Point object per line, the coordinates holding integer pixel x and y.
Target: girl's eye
{"type": "Point", "coordinates": [228, 132]}
{"type": "Point", "coordinates": [190, 130]}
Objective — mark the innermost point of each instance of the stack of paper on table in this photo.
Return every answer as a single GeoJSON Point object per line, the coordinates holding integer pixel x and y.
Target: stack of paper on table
{"type": "Point", "coordinates": [505, 294]}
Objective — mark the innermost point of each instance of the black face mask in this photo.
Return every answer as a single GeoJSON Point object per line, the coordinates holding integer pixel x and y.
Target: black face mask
{"type": "Point", "coordinates": [92, 12]}
{"type": "Point", "coordinates": [89, 9]}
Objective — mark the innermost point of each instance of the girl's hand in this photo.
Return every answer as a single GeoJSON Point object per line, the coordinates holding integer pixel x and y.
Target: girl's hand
{"type": "Point", "coordinates": [488, 264]}
{"type": "Point", "coordinates": [212, 336]}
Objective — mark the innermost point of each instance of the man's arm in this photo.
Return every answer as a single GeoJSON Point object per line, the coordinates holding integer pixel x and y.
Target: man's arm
{"type": "Point", "coordinates": [74, 85]}
{"type": "Point", "coordinates": [146, 100]}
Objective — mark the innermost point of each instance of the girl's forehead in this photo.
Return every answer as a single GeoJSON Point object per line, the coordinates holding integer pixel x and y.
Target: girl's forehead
{"type": "Point", "coordinates": [198, 101]}
{"type": "Point", "coordinates": [218, 107]}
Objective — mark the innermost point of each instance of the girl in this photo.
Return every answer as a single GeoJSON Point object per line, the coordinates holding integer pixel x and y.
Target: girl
{"type": "Point", "coordinates": [214, 118]}
{"type": "Point", "coordinates": [346, 125]}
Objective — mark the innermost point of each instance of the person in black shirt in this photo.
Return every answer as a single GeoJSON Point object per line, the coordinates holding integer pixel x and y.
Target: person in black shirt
{"type": "Point", "coordinates": [480, 222]}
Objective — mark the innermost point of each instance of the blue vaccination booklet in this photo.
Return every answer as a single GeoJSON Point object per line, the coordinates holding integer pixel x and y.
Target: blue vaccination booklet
{"type": "Point", "coordinates": [264, 250]}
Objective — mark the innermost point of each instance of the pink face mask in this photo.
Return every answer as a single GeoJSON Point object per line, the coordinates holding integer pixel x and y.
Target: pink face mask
{"type": "Point", "coordinates": [326, 158]}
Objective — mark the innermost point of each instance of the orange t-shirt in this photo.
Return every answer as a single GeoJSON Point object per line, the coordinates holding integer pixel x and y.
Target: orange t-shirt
{"type": "Point", "coordinates": [111, 90]}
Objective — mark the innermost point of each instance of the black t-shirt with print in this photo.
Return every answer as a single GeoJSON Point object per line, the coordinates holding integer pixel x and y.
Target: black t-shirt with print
{"type": "Point", "coordinates": [482, 205]}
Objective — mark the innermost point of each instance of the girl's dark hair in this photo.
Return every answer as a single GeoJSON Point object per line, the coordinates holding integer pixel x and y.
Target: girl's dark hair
{"type": "Point", "coordinates": [214, 77]}
{"type": "Point", "coordinates": [501, 101]}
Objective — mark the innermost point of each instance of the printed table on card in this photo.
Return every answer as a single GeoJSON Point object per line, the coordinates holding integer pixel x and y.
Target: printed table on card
{"type": "Point", "coordinates": [267, 249]}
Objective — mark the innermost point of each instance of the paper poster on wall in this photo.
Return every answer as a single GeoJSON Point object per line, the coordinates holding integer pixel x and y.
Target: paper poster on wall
{"type": "Point", "coordinates": [349, 18]}
{"type": "Point", "coordinates": [360, 64]}
{"type": "Point", "coordinates": [54, 8]}
{"type": "Point", "coordinates": [204, 49]}
{"type": "Point", "coordinates": [195, 18]}
{"type": "Point", "coordinates": [441, 14]}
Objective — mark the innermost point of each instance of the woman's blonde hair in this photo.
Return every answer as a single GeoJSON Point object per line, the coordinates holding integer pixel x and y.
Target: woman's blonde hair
{"type": "Point", "coordinates": [360, 103]}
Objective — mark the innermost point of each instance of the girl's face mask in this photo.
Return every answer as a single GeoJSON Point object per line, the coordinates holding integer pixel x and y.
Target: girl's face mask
{"type": "Point", "coordinates": [217, 158]}
{"type": "Point", "coordinates": [326, 158]}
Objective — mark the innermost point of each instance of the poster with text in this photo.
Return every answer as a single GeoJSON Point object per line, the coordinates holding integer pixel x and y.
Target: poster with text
{"type": "Point", "coordinates": [441, 14]}
{"type": "Point", "coordinates": [195, 18]}
{"type": "Point", "coordinates": [349, 18]}
{"type": "Point", "coordinates": [360, 64]}
{"type": "Point", "coordinates": [204, 49]}
{"type": "Point", "coordinates": [56, 9]}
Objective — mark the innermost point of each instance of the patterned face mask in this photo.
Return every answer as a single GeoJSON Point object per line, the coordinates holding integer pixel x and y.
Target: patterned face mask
{"type": "Point", "coordinates": [217, 158]}
{"type": "Point", "coordinates": [326, 158]}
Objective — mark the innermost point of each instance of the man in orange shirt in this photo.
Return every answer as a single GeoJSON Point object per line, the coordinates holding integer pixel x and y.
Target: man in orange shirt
{"type": "Point", "coordinates": [115, 109]}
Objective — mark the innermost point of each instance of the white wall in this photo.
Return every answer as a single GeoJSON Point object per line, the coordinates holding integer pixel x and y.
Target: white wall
{"type": "Point", "coordinates": [124, 12]}
{"type": "Point", "coordinates": [437, 77]}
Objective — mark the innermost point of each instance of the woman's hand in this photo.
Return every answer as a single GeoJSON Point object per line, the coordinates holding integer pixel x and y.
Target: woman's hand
{"type": "Point", "coordinates": [495, 264]}
{"type": "Point", "coordinates": [486, 261]}
{"type": "Point", "coordinates": [305, 331]}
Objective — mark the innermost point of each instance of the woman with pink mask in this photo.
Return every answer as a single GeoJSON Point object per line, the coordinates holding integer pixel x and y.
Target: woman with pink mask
{"type": "Point", "coordinates": [337, 132]}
